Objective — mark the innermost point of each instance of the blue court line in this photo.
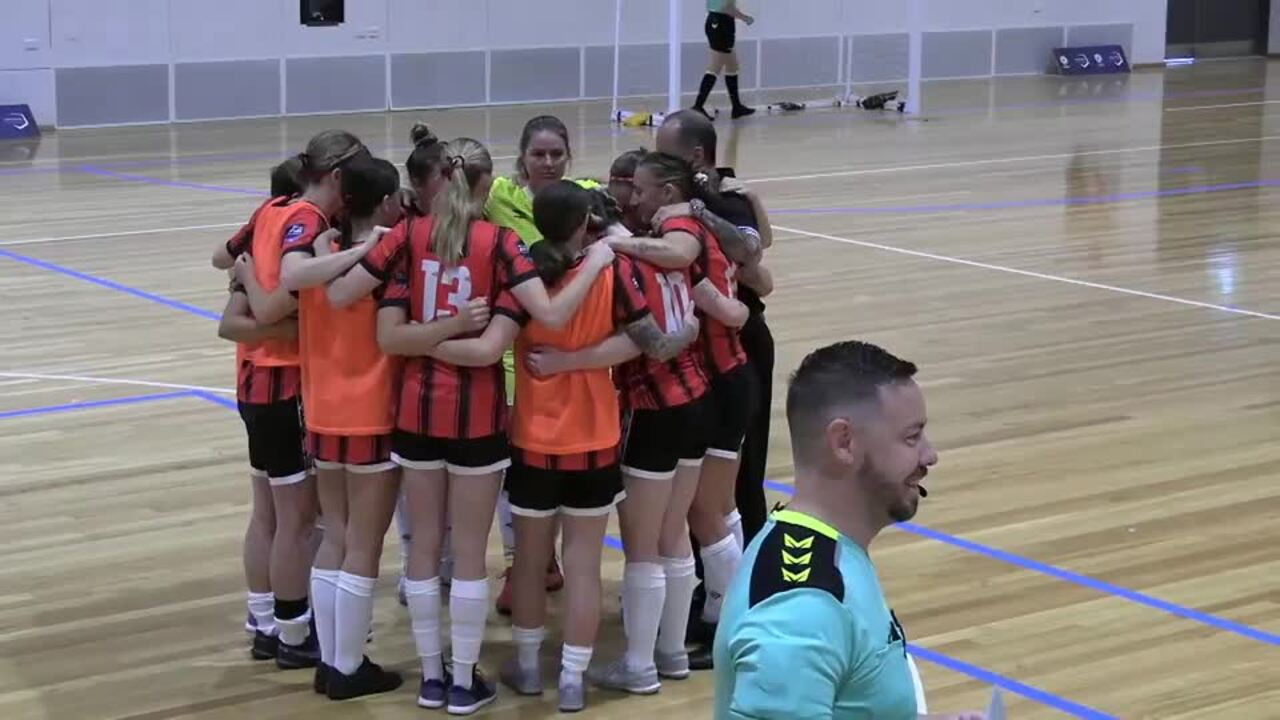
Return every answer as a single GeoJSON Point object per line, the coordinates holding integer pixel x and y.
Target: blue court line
{"type": "Point", "coordinates": [1044, 698]}
{"type": "Point", "coordinates": [90, 170]}
{"type": "Point", "coordinates": [89, 404]}
{"type": "Point", "coordinates": [1058, 573]}
{"type": "Point", "coordinates": [216, 399]}
{"type": "Point", "coordinates": [111, 285]}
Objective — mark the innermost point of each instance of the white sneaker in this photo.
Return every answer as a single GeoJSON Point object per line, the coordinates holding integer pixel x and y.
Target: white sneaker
{"type": "Point", "coordinates": [618, 676]}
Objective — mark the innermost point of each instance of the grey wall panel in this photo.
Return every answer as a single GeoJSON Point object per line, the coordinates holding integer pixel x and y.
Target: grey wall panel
{"type": "Point", "coordinates": [793, 62]}
{"type": "Point", "coordinates": [239, 88]}
{"type": "Point", "coordinates": [1026, 50]}
{"type": "Point", "coordinates": [645, 70]}
{"type": "Point", "coordinates": [335, 84]}
{"type": "Point", "coordinates": [964, 53]}
{"type": "Point", "coordinates": [1121, 35]}
{"type": "Point", "coordinates": [434, 79]}
{"type": "Point", "coordinates": [693, 65]}
{"type": "Point", "coordinates": [536, 74]}
{"type": "Point", "coordinates": [879, 58]}
{"type": "Point", "coordinates": [111, 95]}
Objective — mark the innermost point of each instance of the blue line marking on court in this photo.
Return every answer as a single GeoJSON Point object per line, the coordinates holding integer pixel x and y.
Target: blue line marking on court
{"type": "Point", "coordinates": [111, 285]}
{"type": "Point", "coordinates": [1076, 578]}
{"type": "Point", "coordinates": [90, 404]}
{"type": "Point", "coordinates": [1044, 698]}
{"type": "Point", "coordinates": [90, 170]}
{"type": "Point", "coordinates": [216, 399]}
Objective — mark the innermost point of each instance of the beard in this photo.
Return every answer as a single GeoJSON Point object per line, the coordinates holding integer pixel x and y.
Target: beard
{"type": "Point", "coordinates": [901, 495]}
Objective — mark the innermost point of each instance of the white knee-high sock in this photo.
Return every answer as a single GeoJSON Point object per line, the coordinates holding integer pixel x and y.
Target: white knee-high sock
{"type": "Point", "coordinates": [505, 526]}
{"type": "Point", "coordinates": [424, 614]}
{"type": "Point", "coordinates": [262, 606]}
{"type": "Point", "coordinates": [734, 521]}
{"type": "Point", "coordinates": [468, 610]}
{"type": "Point", "coordinates": [644, 592]}
{"type": "Point", "coordinates": [681, 579]}
{"type": "Point", "coordinates": [324, 602]}
{"type": "Point", "coordinates": [719, 563]}
{"type": "Point", "coordinates": [353, 615]}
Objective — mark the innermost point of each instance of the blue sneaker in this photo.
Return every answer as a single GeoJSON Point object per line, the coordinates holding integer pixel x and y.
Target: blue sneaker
{"type": "Point", "coordinates": [432, 694]}
{"type": "Point", "coordinates": [465, 701]}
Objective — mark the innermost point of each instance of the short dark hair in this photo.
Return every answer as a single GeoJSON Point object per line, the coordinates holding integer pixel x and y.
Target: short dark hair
{"type": "Point", "coordinates": [695, 131]}
{"type": "Point", "coordinates": [845, 373]}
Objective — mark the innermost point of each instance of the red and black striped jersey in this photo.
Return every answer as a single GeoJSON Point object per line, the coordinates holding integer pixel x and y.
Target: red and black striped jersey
{"type": "Point", "coordinates": [652, 384]}
{"type": "Point", "coordinates": [438, 399]}
{"type": "Point", "coordinates": [721, 345]}
{"type": "Point", "coordinates": [575, 462]}
{"type": "Point", "coordinates": [260, 385]}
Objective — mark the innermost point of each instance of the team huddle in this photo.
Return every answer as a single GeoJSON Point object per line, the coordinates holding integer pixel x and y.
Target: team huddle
{"type": "Point", "coordinates": [544, 348]}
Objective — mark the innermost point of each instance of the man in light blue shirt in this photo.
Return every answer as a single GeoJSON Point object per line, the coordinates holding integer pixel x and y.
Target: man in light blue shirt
{"type": "Point", "coordinates": [805, 631]}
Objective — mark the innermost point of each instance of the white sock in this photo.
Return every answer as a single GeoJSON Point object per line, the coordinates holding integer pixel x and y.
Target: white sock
{"type": "Point", "coordinates": [734, 521]}
{"type": "Point", "coordinates": [504, 525]}
{"type": "Point", "coordinates": [353, 614]}
{"type": "Point", "coordinates": [324, 604]}
{"type": "Point", "coordinates": [468, 611]}
{"type": "Point", "coordinates": [528, 642]}
{"type": "Point", "coordinates": [719, 563]}
{"type": "Point", "coordinates": [294, 631]}
{"type": "Point", "coordinates": [263, 608]}
{"type": "Point", "coordinates": [573, 662]}
{"type": "Point", "coordinates": [424, 615]}
{"type": "Point", "coordinates": [644, 590]}
{"type": "Point", "coordinates": [681, 580]}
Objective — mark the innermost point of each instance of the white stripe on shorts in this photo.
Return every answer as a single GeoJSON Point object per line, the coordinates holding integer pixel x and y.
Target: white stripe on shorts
{"type": "Point", "coordinates": [293, 479]}
{"type": "Point", "coordinates": [417, 464]}
{"type": "Point", "coordinates": [486, 470]}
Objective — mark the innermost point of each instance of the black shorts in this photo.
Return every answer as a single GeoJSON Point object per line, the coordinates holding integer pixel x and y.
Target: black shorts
{"type": "Point", "coordinates": [275, 440]}
{"type": "Point", "coordinates": [732, 406]}
{"type": "Point", "coordinates": [722, 32]}
{"type": "Point", "coordinates": [473, 456]}
{"type": "Point", "coordinates": [659, 441]}
{"type": "Point", "coordinates": [535, 491]}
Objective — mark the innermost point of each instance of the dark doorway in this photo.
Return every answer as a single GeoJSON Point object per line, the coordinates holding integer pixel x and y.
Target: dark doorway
{"type": "Point", "coordinates": [1217, 28]}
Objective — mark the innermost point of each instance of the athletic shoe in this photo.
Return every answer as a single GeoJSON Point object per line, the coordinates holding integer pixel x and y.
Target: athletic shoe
{"type": "Point", "coordinates": [617, 676]}
{"type": "Point", "coordinates": [515, 677]}
{"type": "Point", "coordinates": [743, 111]}
{"type": "Point", "coordinates": [264, 647]}
{"type": "Point", "coordinates": [573, 698]}
{"type": "Point", "coordinates": [299, 657]}
{"type": "Point", "coordinates": [368, 679]}
{"type": "Point", "coordinates": [320, 683]}
{"type": "Point", "coordinates": [672, 667]}
{"type": "Point", "coordinates": [703, 111]}
{"type": "Point", "coordinates": [432, 694]}
{"type": "Point", "coordinates": [702, 658]}
{"type": "Point", "coordinates": [465, 701]}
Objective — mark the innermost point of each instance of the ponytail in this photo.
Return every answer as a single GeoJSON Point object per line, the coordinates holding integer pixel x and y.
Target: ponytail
{"type": "Point", "coordinates": [455, 207]}
{"type": "Point", "coordinates": [559, 211]}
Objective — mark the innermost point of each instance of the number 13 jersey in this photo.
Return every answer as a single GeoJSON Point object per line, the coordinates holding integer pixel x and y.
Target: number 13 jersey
{"type": "Point", "coordinates": [438, 399]}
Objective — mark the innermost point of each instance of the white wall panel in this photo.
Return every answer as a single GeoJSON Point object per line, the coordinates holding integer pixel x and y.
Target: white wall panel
{"type": "Point", "coordinates": [363, 33]}
{"type": "Point", "coordinates": [227, 29]}
{"type": "Point", "coordinates": [122, 32]}
{"type": "Point", "coordinates": [30, 87]}
{"type": "Point", "coordinates": [24, 35]}
{"type": "Point", "coordinates": [419, 26]}
{"type": "Point", "coordinates": [782, 18]}
{"type": "Point", "coordinates": [549, 23]}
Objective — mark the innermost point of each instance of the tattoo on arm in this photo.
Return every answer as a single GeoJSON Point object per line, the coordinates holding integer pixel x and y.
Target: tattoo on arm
{"type": "Point", "coordinates": [741, 247]}
{"type": "Point", "coordinates": [657, 344]}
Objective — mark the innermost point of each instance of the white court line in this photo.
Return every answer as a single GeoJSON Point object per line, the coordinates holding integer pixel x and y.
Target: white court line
{"type": "Point", "coordinates": [125, 233]}
{"type": "Point", "coordinates": [1000, 161]}
{"type": "Point", "coordinates": [1031, 274]}
{"type": "Point", "coordinates": [115, 381]}
{"type": "Point", "coordinates": [1224, 105]}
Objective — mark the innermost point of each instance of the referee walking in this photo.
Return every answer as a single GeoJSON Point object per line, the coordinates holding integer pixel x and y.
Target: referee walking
{"type": "Point", "coordinates": [806, 631]}
{"type": "Point", "coordinates": [722, 36]}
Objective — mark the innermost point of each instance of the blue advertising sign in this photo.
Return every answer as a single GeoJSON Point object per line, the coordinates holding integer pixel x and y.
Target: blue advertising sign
{"type": "Point", "coordinates": [1095, 60]}
{"type": "Point", "coordinates": [16, 121]}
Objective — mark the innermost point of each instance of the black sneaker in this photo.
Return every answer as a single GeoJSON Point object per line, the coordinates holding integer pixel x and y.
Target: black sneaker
{"type": "Point", "coordinates": [264, 646]}
{"type": "Point", "coordinates": [434, 694]}
{"type": "Point", "coordinates": [368, 679]}
{"type": "Point", "coordinates": [465, 701]}
{"type": "Point", "coordinates": [743, 111]}
{"type": "Point", "coordinates": [321, 682]}
{"type": "Point", "coordinates": [701, 657]}
{"type": "Point", "coordinates": [298, 657]}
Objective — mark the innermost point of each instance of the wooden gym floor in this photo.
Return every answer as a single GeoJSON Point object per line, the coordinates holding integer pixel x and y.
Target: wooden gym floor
{"type": "Point", "coordinates": [1087, 276]}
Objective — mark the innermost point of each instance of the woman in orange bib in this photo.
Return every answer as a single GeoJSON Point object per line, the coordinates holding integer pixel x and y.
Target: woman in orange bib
{"type": "Point", "coordinates": [285, 223]}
